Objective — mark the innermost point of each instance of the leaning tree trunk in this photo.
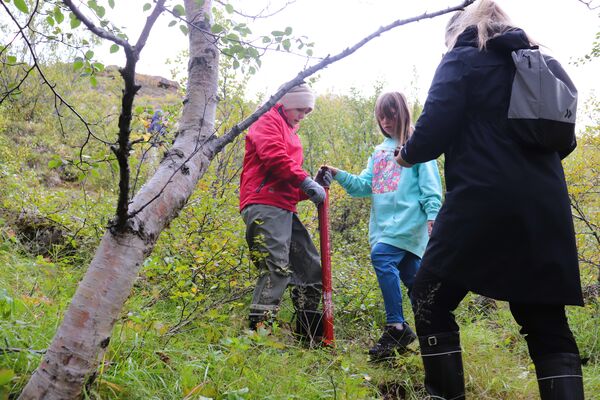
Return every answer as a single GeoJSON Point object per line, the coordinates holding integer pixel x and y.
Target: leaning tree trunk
{"type": "Point", "coordinates": [85, 331]}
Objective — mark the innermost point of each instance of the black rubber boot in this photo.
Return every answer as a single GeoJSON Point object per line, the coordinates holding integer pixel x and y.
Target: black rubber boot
{"type": "Point", "coordinates": [393, 341]}
{"type": "Point", "coordinates": [258, 319]}
{"type": "Point", "coordinates": [559, 376]}
{"type": "Point", "coordinates": [442, 361]}
{"type": "Point", "coordinates": [253, 322]}
{"type": "Point", "coordinates": [309, 327]}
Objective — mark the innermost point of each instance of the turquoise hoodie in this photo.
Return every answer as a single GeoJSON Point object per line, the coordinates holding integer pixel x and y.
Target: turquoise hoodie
{"type": "Point", "coordinates": [403, 199]}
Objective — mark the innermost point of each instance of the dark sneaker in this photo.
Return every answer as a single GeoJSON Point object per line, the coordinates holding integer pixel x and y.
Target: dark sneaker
{"type": "Point", "coordinates": [392, 341]}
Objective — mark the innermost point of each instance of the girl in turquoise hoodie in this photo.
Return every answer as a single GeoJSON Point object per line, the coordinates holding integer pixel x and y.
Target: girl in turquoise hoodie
{"type": "Point", "coordinates": [404, 204]}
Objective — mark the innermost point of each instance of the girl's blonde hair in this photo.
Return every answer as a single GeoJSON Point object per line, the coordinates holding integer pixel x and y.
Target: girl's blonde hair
{"type": "Point", "coordinates": [393, 105]}
{"type": "Point", "coordinates": [489, 19]}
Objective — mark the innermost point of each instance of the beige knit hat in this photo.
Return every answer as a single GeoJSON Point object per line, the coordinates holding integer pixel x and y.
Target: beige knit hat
{"type": "Point", "coordinates": [300, 96]}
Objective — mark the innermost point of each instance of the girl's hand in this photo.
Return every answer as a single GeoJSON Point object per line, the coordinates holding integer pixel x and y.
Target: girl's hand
{"type": "Point", "coordinates": [330, 168]}
{"type": "Point", "coordinates": [325, 175]}
{"type": "Point", "coordinates": [430, 226]}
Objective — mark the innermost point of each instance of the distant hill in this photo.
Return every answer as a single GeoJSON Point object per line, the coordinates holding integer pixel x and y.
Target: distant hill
{"type": "Point", "coordinates": [156, 90]}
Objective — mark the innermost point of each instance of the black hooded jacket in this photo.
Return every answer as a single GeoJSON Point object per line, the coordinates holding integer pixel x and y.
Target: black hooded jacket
{"type": "Point", "coordinates": [505, 229]}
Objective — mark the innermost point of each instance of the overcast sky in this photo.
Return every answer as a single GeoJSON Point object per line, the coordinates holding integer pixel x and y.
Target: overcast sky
{"type": "Point", "coordinates": [566, 27]}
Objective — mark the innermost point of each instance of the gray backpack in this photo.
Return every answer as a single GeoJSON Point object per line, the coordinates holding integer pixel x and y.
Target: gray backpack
{"type": "Point", "coordinates": [543, 103]}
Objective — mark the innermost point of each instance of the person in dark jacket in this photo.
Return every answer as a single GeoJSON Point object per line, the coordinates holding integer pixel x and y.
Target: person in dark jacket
{"type": "Point", "coordinates": [505, 229]}
{"type": "Point", "coordinates": [271, 184]}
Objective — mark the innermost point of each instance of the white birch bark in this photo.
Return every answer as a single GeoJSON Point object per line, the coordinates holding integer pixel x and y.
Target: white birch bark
{"type": "Point", "coordinates": [84, 334]}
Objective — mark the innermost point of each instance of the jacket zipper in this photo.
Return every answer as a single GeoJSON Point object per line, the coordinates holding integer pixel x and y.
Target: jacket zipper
{"type": "Point", "coordinates": [262, 184]}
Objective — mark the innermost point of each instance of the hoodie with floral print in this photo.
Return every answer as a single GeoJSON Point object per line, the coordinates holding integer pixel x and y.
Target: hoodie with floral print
{"type": "Point", "coordinates": [402, 199]}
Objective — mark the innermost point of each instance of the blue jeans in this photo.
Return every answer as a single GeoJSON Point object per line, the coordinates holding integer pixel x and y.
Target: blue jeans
{"type": "Point", "coordinates": [393, 264]}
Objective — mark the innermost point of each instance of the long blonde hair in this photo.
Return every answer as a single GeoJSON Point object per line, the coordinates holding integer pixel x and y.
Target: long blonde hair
{"type": "Point", "coordinates": [393, 105]}
{"type": "Point", "coordinates": [489, 19]}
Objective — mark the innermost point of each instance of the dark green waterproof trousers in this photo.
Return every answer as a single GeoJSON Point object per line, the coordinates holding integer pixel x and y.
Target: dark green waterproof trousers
{"type": "Point", "coordinates": [284, 254]}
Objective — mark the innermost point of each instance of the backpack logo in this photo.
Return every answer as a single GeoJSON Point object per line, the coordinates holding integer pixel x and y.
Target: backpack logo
{"type": "Point", "coordinates": [568, 114]}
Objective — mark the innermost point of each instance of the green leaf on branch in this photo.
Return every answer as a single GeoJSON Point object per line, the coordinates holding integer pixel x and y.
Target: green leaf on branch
{"type": "Point", "coordinates": [178, 10]}
{"type": "Point", "coordinates": [216, 28]}
{"type": "Point", "coordinates": [89, 54]}
{"type": "Point", "coordinates": [288, 30]}
{"type": "Point", "coordinates": [229, 8]}
{"type": "Point", "coordinates": [74, 21]}
{"type": "Point", "coordinates": [111, 3]}
{"type": "Point", "coordinates": [50, 20]}
{"type": "Point", "coordinates": [184, 29]}
{"type": "Point", "coordinates": [172, 23]}
{"type": "Point", "coordinates": [147, 6]}
{"type": "Point", "coordinates": [114, 48]}
{"type": "Point", "coordinates": [277, 33]}
{"type": "Point", "coordinates": [93, 80]}
{"type": "Point", "coordinates": [77, 64]}
{"type": "Point", "coordinates": [232, 37]}
{"type": "Point", "coordinates": [22, 6]}
{"type": "Point", "coordinates": [11, 59]}
{"type": "Point", "coordinates": [55, 162]}
{"type": "Point", "coordinates": [58, 15]}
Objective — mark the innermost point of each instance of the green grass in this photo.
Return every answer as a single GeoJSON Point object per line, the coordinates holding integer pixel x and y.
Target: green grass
{"type": "Point", "coordinates": [217, 357]}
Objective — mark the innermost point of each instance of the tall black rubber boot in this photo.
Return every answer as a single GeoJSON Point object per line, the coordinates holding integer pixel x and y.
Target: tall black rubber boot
{"type": "Point", "coordinates": [309, 327]}
{"type": "Point", "coordinates": [559, 376]}
{"type": "Point", "coordinates": [442, 361]}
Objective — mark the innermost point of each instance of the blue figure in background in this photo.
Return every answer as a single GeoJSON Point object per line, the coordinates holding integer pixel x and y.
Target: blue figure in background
{"type": "Point", "coordinates": [157, 124]}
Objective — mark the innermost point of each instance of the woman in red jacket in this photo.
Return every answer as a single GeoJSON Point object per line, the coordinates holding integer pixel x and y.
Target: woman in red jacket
{"type": "Point", "coordinates": [271, 184]}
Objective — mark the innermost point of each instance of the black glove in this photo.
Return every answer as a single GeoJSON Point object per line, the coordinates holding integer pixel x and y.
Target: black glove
{"type": "Point", "coordinates": [313, 190]}
{"type": "Point", "coordinates": [324, 177]}
{"type": "Point", "coordinates": [327, 177]}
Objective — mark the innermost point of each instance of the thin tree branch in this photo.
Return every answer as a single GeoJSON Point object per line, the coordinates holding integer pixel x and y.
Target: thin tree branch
{"type": "Point", "coordinates": [150, 21]}
{"type": "Point", "coordinates": [222, 141]}
{"type": "Point", "coordinates": [11, 91]}
{"type": "Point", "coordinates": [95, 29]}
{"type": "Point", "coordinates": [217, 37]}
{"type": "Point", "coordinates": [582, 217]}
{"type": "Point", "coordinates": [7, 350]}
{"type": "Point", "coordinates": [589, 5]}
{"type": "Point", "coordinates": [261, 13]}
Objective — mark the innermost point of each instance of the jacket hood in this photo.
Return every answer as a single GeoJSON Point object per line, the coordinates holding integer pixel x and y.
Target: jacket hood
{"type": "Point", "coordinates": [387, 143]}
{"type": "Point", "coordinates": [506, 42]}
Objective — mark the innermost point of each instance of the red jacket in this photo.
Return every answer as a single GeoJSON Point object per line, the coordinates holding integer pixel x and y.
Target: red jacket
{"type": "Point", "coordinates": [272, 171]}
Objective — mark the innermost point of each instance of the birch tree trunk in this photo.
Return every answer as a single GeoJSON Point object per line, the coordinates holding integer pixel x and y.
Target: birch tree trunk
{"type": "Point", "coordinates": [85, 331]}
